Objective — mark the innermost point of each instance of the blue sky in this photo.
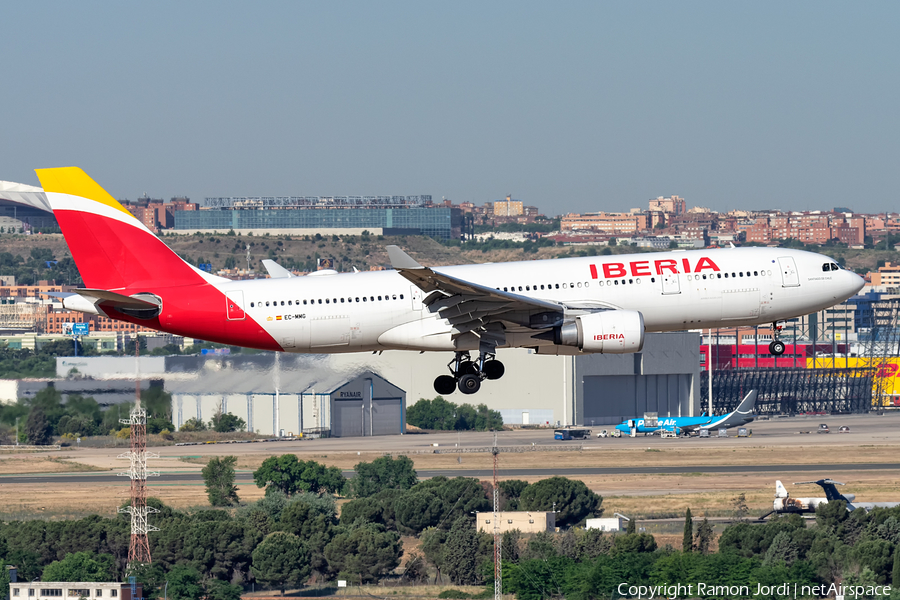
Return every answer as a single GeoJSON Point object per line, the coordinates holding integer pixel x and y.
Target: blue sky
{"type": "Point", "coordinates": [572, 106]}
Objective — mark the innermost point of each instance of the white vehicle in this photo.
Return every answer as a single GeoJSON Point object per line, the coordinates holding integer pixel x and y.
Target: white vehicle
{"type": "Point", "coordinates": [561, 306]}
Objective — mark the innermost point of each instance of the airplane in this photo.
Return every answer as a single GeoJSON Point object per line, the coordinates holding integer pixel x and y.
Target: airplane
{"type": "Point", "coordinates": [832, 494]}
{"type": "Point", "coordinates": [785, 504]}
{"type": "Point", "coordinates": [742, 415]}
{"type": "Point", "coordinates": [559, 306]}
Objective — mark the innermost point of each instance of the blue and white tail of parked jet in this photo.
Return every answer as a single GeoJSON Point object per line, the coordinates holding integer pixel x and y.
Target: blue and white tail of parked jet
{"type": "Point", "coordinates": [742, 415]}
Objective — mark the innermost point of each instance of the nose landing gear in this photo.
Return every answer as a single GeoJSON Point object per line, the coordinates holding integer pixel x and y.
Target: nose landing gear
{"type": "Point", "coordinates": [777, 347]}
{"type": "Point", "coordinates": [467, 374]}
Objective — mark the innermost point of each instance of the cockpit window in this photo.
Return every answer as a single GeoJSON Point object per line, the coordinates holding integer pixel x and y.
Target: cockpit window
{"type": "Point", "coordinates": [826, 267]}
{"type": "Point", "coordinates": [835, 267]}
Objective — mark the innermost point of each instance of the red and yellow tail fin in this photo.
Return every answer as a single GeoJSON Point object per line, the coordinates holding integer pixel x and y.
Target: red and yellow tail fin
{"type": "Point", "coordinates": [112, 249]}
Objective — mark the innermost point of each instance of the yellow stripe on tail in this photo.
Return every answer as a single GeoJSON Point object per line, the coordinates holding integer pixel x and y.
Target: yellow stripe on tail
{"type": "Point", "coordinates": [75, 182]}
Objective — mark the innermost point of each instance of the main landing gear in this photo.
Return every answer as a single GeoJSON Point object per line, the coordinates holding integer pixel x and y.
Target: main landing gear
{"type": "Point", "coordinates": [467, 374]}
{"type": "Point", "coordinates": [776, 348]}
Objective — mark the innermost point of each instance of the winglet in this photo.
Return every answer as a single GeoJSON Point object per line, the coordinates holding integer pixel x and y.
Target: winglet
{"type": "Point", "coordinates": [401, 260]}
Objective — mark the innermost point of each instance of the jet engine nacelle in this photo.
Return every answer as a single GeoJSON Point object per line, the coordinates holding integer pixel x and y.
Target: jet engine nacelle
{"type": "Point", "coordinates": [608, 332]}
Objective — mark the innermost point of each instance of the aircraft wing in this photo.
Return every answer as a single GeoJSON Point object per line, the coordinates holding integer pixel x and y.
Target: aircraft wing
{"type": "Point", "coordinates": [471, 307]}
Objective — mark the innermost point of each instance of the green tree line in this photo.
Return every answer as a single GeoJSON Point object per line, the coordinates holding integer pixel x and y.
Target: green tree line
{"type": "Point", "coordinates": [440, 414]}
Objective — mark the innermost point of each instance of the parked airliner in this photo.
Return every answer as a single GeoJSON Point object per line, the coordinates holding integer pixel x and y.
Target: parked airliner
{"type": "Point", "coordinates": [558, 306]}
{"type": "Point", "coordinates": [739, 417]}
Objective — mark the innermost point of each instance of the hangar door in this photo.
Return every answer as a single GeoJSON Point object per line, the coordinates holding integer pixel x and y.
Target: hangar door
{"type": "Point", "coordinates": [347, 418]}
{"type": "Point", "coordinates": [611, 399]}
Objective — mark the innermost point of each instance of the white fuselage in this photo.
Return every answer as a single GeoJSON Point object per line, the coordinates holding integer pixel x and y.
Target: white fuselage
{"type": "Point", "coordinates": [366, 311]}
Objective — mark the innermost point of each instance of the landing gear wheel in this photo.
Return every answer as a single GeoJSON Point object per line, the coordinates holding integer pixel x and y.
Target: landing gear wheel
{"type": "Point", "coordinates": [467, 367]}
{"type": "Point", "coordinates": [444, 384]}
{"type": "Point", "coordinates": [493, 369]}
{"type": "Point", "coordinates": [776, 348]}
{"type": "Point", "coordinates": [469, 384]}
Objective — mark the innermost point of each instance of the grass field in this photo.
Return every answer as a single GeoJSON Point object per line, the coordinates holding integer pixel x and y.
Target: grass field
{"type": "Point", "coordinates": [643, 496]}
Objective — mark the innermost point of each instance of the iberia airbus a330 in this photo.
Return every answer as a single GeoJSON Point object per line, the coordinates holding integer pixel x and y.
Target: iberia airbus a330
{"type": "Point", "coordinates": [560, 306]}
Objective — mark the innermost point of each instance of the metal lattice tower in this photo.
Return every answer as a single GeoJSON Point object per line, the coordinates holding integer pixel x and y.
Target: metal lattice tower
{"type": "Point", "coordinates": [139, 549]}
{"type": "Point", "coordinates": [498, 539]}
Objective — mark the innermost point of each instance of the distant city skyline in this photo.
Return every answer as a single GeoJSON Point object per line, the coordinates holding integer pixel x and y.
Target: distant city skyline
{"type": "Point", "coordinates": [571, 107]}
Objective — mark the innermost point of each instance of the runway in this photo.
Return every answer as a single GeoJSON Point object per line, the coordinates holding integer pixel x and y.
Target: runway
{"type": "Point", "coordinates": [189, 477]}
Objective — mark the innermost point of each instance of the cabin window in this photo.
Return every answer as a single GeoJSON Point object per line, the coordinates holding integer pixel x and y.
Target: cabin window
{"type": "Point", "coordinates": [527, 288]}
{"type": "Point", "coordinates": [326, 300]}
{"type": "Point", "coordinates": [401, 296]}
{"type": "Point", "coordinates": [755, 274]}
{"type": "Point", "coordinates": [251, 305]}
{"type": "Point", "coordinates": [342, 300]}
{"type": "Point", "coordinates": [505, 290]}
{"type": "Point", "coordinates": [741, 273]}
{"type": "Point", "coordinates": [557, 286]}
{"type": "Point", "coordinates": [565, 286]}
{"type": "Point", "coordinates": [629, 281]}
{"type": "Point", "coordinates": [289, 302]}
{"type": "Point", "coordinates": [267, 302]}
{"type": "Point", "coordinates": [364, 298]}
{"type": "Point", "coordinates": [379, 297]}
{"type": "Point", "coordinates": [520, 288]}
{"type": "Point", "coordinates": [320, 301]}
{"type": "Point", "coordinates": [616, 281]}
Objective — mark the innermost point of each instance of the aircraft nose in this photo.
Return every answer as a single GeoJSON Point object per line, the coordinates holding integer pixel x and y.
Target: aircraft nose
{"type": "Point", "coordinates": [854, 282]}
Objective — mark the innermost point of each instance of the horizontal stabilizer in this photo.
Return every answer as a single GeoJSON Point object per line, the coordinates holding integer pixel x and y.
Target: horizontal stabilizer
{"type": "Point", "coordinates": [116, 300]}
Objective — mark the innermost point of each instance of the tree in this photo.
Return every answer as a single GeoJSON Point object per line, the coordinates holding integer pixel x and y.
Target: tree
{"type": "Point", "coordinates": [460, 554]}
{"type": "Point", "coordinates": [895, 571]}
{"type": "Point", "coordinates": [287, 474]}
{"type": "Point", "coordinates": [704, 536]}
{"type": "Point", "coordinates": [216, 589]}
{"type": "Point", "coordinates": [687, 540]}
{"type": "Point", "coordinates": [37, 429]}
{"type": "Point", "coordinates": [364, 552]}
{"type": "Point", "coordinates": [432, 414]}
{"type": "Point", "coordinates": [381, 474]}
{"type": "Point", "coordinates": [373, 509]}
{"type": "Point", "coordinates": [631, 527]}
{"type": "Point", "coordinates": [781, 550]}
{"type": "Point", "coordinates": [281, 560]}
{"type": "Point", "coordinates": [226, 422]}
{"type": "Point", "coordinates": [183, 583]}
{"type": "Point", "coordinates": [510, 545]}
{"type": "Point", "coordinates": [634, 542]}
{"type": "Point", "coordinates": [510, 492]}
{"type": "Point", "coordinates": [218, 474]}
{"type": "Point", "coordinates": [739, 505]}
{"type": "Point", "coordinates": [193, 424]}
{"type": "Point", "coordinates": [571, 499]}
{"type": "Point", "coordinates": [157, 401]}
{"type": "Point", "coordinates": [312, 518]}
{"type": "Point", "coordinates": [433, 545]}
{"type": "Point", "coordinates": [80, 566]}
{"type": "Point", "coordinates": [438, 502]}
